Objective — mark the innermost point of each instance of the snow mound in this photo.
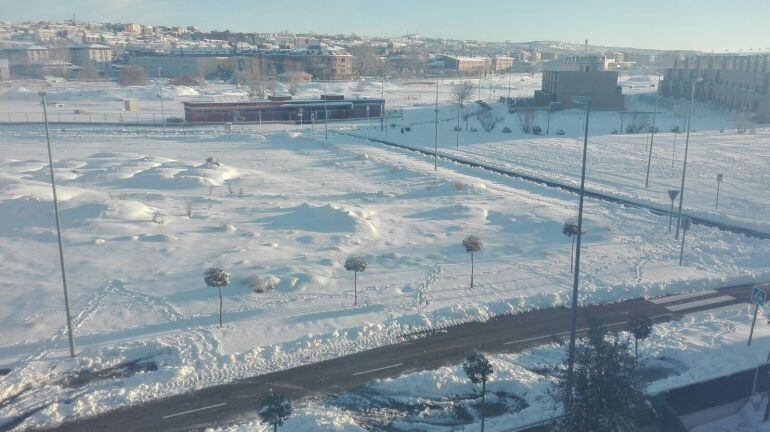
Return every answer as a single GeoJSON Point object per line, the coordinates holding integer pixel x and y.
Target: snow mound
{"type": "Point", "coordinates": [33, 211]}
{"type": "Point", "coordinates": [453, 212]}
{"type": "Point", "coordinates": [323, 219]}
{"type": "Point", "coordinates": [447, 188]}
{"type": "Point", "coordinates": [172, 175]}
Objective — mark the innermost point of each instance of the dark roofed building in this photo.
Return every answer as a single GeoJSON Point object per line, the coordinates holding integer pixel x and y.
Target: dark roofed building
{"type": "Point", "coordinates": [283, 110]}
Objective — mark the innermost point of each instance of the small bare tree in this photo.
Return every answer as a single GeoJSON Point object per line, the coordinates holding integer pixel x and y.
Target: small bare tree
{"type": "Point", "coordinates": [216, 277]}
{"type": "Point", "coordinates": [355, 264]}
{"type": "Point", "coordinates": [158, 218]}
{"type": "Point", "coordinates": [462, 92]}
{"type": "Point", "coordinates": [488, 120]}
{"type": "Point", "coordinates": [478, 369]}
{"type": "Point", "coordinates": [472, 244]}
{"type": "Point", "coordinates": [133, 75]}
{"type": "Point", "coordinates": [526, 120]}
{"type": "Point", "coordinates": [293, 87]}
{"type": "Point", "coordinates": [572, 230]}
{"type": "Point", "coordinates": [640, 326]}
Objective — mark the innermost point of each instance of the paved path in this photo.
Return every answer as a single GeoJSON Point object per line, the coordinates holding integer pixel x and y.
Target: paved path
{"type": "Point", "coordinates": [508, 333]}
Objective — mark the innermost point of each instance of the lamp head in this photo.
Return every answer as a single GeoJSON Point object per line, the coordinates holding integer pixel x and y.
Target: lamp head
{"type": "Point", "coordinates": [42, 93]}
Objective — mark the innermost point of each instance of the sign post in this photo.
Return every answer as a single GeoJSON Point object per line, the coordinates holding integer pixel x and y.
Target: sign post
{"type": "Point", "coordinates": [758, 297]}
{"type": "Point", "coordinates": [673, 193]}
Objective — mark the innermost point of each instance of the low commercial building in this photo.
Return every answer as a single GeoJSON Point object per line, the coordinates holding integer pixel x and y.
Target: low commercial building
{"type": "Point", "coordinates": [172, 66]}
{"type": "Point", "coordinates": [590, 76]}
{"type": "Point", "coordinates": [283, 110]}
{"type": "Point", "coordinates": [463, 66]}
{"type": "Point", "coordinates": [328, 63]}
{"type": "Point", "coordinates": [501, 63]}
{"type": "Point", "coordinates": [34, 62]}
{"type": "Point", "coordinates": [737, 82]}
{"type": "Point", "coordinates": [90, 54]}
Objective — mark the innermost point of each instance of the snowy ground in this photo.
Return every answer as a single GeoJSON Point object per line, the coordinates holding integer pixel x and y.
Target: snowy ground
{"type": "Point", "coordinates": [280, 203]}
{"type": "Point", "coordinates": [697, 348]}
{"type": "Point", "coordinates": [617, 164]}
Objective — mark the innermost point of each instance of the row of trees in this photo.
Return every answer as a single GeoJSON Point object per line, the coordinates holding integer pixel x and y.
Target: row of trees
{"type": "Point", "coordinates": [217, 277]}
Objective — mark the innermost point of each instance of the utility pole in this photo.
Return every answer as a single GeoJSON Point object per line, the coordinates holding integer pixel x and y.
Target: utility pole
{"type": "Point", "coordinates": [435, 134]}
{"type": "Point", "coordinates": [509, 88]}
{"type": "Point", "coordinates": [581, 100]}
{"type": "Point", "coordinates": [70, 333]}
{"type": "Point", "coordinates": [162, 112]}
{"type": "Point", "coordinates": [326, 112]}
{"type": "Point", "coordinates": [382, 112]}
{"type": "Point", "coordinates": [457, 132]}
{"type": "Point", "coordinates": [652, 134]}
{"type": "Point", "coordinates": [684, 167]}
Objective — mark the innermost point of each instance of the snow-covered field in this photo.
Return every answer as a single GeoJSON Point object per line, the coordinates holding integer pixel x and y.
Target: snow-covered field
{"type": "Point", "coordinates": [144, 214]}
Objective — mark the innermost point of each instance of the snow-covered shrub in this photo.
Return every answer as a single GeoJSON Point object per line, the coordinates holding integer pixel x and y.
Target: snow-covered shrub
{"type": "Point", "coordinates": [262, 284]}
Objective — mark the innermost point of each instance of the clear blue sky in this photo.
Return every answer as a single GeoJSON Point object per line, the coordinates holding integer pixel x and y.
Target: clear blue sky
{"type": "Point", "coordinates": [663, 24]}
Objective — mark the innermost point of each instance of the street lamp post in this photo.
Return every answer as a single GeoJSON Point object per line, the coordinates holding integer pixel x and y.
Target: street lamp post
{"type": "Point", "coordinates": [580, 100]}
{"type": "Point", "coordinates": [684, 166]}
{"type": "Point", "coordinates": [435, 134]}
{"type": "Point", "coordinates": [326, 112]}
{"type": "Point", "coordinates": [70, 333]}
{"type": "Point", "coordinates": [652, 135]}
{"type": "Point", "coordinates": [457, 132]}
{"type": "Point", "coordinates": [382, 111]}
{"type": "Point", "coordinates": [162, 112]}
{"type": "Point", "coordinates": [719, 181]}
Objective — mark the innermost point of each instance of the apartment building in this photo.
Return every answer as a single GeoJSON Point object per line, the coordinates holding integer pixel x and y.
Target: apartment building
{"type": "Point", "coordinates": [737, 82]}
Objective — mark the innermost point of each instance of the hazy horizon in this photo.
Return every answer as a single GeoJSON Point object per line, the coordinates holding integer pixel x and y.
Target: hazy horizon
{"type": "Point", "coordinates": [661, 25]}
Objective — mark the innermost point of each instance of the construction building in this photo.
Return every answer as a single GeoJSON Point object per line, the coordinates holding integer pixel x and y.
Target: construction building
{"type": "Point", "coordinates": [592, 76]}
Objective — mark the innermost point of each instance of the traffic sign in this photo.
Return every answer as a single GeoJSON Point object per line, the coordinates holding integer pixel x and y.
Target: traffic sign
{"type": "Point", "coordinates": [758, 296]}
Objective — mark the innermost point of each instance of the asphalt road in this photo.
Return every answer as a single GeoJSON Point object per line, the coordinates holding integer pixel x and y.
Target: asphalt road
{"type": "Point", "coordinates": [509, 333]}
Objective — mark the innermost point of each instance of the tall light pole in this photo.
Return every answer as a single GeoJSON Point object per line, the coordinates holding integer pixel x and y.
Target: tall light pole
{"type": "Point", "coordinates": [326, 112]}
{"type": "Point", "coordinates": [457, 132]}
{"type": "Point", "coordinates": [162, 112]}
{"type": "Point", "coordinates": [382, 113]}
{"type": "Point", "coordinates": [42, 95]}
{"type": "Point", "coordinates": [509, 88]}
{"type": "Point", "coordinates": [719, 181]}
{"type": "Point", "coordinates": [435, 134]}
{"type": "Point", "coordinates": [652, 134]}
{"type": "Point", "coordinates": [580, 100]}
{"type": "Point", "coordinates": [684, 166]}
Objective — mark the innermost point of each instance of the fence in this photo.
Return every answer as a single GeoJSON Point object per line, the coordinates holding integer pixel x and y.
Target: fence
{"type": "Point", "coordinates": [82, 117]}
{"type": "Point", "coordinates": [172, 118]}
